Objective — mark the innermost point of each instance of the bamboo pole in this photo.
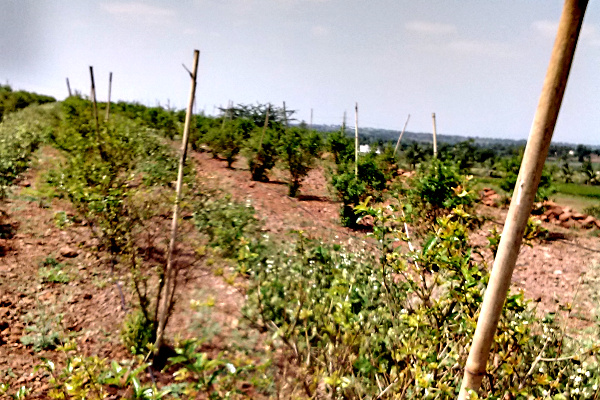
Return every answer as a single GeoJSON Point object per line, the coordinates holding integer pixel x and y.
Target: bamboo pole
{"type": "Point", "coordinates": [69, 87]}
{"type": "Point", "coordinates": [93, 95]}
{"type": "Point", "coordinates": [524, 193]}
{"type": "Point", "coordinates": [311, 119]}
{"type": "Point", "coordinates": [344, 124]}
{"type": "Point", "coordinates": [434, 136]}
{"type": "Point", "coordinates": [109, 91]}
{"type": "Point", "coordinates": [356, 139]}
{"type": "Point", "coordinates": [262, 136]}
{"type": "Point", "coordinates": [170, 275]}
{"type": "Point", "coordinates": [285, 116]}
{"type": "Point", "coordinates": [401, 134]}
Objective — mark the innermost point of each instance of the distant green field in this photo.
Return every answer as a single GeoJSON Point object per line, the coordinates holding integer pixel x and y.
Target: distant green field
{"type": "Point", "coordinates": [578, 190]}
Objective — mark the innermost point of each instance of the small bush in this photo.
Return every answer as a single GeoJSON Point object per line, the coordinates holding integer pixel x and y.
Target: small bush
{"type": "Point", "coordinates": [138, 332]}
{"type": "Point", "coordinates": [353, 189]}
{"type": "Point", "coordinates": [437, 188]}
{"type": "Point", "coordinates": [299, 150]}
{"type": "Point", "coordinates": [228, 225]}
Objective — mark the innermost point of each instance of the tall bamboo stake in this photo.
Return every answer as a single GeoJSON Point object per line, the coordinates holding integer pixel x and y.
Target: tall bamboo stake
{"type": "Point", "coordinates": [401, 134]}
{"type": "Point", "coordinates": [170, 275]}
{"type": "Point", "coordinates": [434, 136]}
{"type": "Point", "coordinates": [69, 88]}
{"type": "Point", "coordinates": [344, 124]}
{"type": "Point", "coordinates": [262, 136]}
{"type": "Point", "coordinates": [109, 91]}
{"type": "Point", "coordinates": [356, 139]}
{"type": "Point", "coordinates": [524, 193]}
{"type": "Point", "coordinates": [311, 119]}
{"type": "Point", "coordinates": [93, 95]}
{"type": "Point", "coordinates": [285, 115]}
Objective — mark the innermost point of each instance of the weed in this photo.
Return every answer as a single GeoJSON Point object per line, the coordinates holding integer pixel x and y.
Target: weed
{"type": "Point", "coordinates": [51, 271]}
{"type": "Point", "coordinates": [44, 329]}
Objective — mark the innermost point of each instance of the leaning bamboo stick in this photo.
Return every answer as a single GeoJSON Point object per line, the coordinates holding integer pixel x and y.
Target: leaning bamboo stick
{"type": "Point", "coordinates": [108, 102]}
{"type": "Point", "coordinates": [170, 275]}
{"type": "Point", "coordinates": [93, 95]}
{"type": "Point", "coordinates": [524, 193]}
{"type": "Point", "coordinates": [434, 136]}
{"type": "Point", "coordinates": [356, 139]}
{"type": "Point", "coordinates": [401, 134]}
{"type": "Point", "coordinates": [262, 136]}
{"type": "Point", "coordinates": [69, 87]}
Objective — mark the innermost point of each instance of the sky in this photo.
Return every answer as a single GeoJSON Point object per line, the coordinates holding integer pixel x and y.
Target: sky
{"type": "Point", "coordinates": [479, 65]}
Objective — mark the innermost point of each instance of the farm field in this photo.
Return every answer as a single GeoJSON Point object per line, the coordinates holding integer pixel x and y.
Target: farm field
{"type": "Point", "coordinates": [272, 289]}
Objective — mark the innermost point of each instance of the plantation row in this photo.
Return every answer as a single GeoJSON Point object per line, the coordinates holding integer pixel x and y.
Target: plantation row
{"type": "Point", "coordinates": [342, 323]}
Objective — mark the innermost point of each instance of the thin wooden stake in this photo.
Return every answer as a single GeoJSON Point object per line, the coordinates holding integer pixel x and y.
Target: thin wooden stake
{"type": "Point", "coordinates": [69, 88]}
{"type": "Point", "coordinates": [170, 275]}
{"type": "Point", "coordinates": [311, 119]}
{"type": "Point", "coordinates": [109, 91]}
{"type": "Point", "coordinates": [434, 136]}
{"type": "Point", "coordinates": [285, 115]}
{"type": "Point", "coordinates": [344, 124]}
{"type": "Point", "coordinates": [262, 136]}
{"type": "Point", "coordinates": [401, 134]}
{"type": "Point", "coordinates": [356, 139]}
{"type": "Point", "coordinates": [93, 95]}
{"type": "Point", "coordinates": [524, 192]}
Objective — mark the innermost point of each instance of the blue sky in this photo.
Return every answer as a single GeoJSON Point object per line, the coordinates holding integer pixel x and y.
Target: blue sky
{"type": "Point", "coordinates": [479, 65]}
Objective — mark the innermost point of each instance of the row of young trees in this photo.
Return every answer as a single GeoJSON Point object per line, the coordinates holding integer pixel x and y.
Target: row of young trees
{"type": "Point", "coordinates": [261, 133]}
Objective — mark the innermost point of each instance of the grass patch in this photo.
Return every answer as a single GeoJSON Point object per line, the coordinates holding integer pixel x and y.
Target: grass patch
{"type": "Point", "coordinates": [575, 189]}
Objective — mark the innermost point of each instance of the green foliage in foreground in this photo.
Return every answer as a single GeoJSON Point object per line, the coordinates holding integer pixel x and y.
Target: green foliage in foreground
{"type": "Point", "coordinates": [358, 323]}
{"type": "Point", "coordinates": [112, 174]}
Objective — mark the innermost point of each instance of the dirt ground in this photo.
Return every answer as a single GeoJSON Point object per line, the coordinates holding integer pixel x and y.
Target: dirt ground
{"type": "Point", "coordinates": [90, 309]}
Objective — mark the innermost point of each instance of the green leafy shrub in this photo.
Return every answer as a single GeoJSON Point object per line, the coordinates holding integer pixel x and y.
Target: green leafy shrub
{"type": "Point", "coordinates": [12, 101]}
{"type": "Point", "coordinates": [262, 153]}
{"type": "Point", "coordinates": [299, 149]}
{"type": "Point", "coordinates": [21, 134]}
{"type": "Point", "coordinates": [340, 146]}
{"type": "Point", "coordinates": [228, 225]}
{"type": "Point", "coordinates": [437, 188]}
{"type": "Point", "coordinates": [138, 332]}
{"type": "Point", "coordinates": [229, 139]}
{"type": "Point", "coordinates": [352, 190]}
{"type": "Point", "coordinates": [94, 378]}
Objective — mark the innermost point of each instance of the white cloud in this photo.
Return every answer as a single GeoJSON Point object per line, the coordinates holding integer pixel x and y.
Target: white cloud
{"type": "Point", "coordinates": [548, 29]}
{"type": "Point", "coordinates": [319, 31]}
{"type": "Point", "coordinates": [430, 28]}
{"type": "Point", "coordinates": [139, 12]}
{"type": "Point", "coordinates": [481, 48]}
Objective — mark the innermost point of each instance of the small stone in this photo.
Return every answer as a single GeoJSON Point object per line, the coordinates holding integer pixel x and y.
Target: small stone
{"type": "Point", "coordinates": [68, 252]}
{"type": "Point", "coordinates": [558, 272]}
